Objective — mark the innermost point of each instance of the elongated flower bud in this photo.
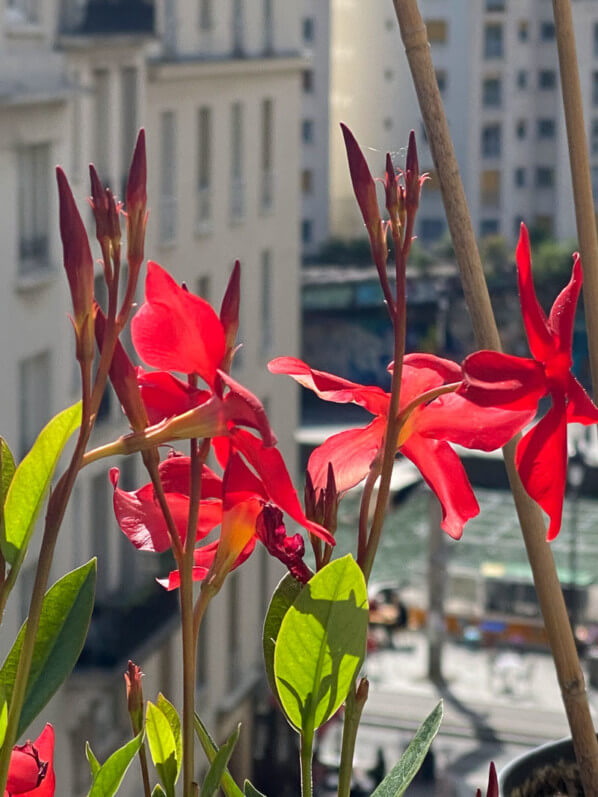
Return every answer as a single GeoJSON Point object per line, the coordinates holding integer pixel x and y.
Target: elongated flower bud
{"type": "Point", "coordinates": [229, 314]}
{"type": "Point", "coordinates": [133, 677]}
{"type": "Point", "coordinates": [136, 204]}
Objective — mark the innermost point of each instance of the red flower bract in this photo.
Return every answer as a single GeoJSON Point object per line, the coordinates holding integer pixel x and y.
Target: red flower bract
{"type": "Point", "coordinates": [424, 434]}
{"type": "Point", "coordinates": [500, 380]}
{"type": "Point", "coordinates": [31, 767]}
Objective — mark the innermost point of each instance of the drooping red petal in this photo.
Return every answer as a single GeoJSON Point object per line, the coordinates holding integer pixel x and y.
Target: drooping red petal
{"type": "Point", "coordinates": [351, 454]}
{"type": "Point", "coordinates": [175, 330]}
{"type": "Point", "coordinates": [244, 408]}
{"type": "Point", "coordinates": [270, 467]}
{"type": "Point", "coordinates": [493, 379]}
{"type": "Point", "coordinates": [175, 472]}
{"type": "Point", "coordinates": [203, 559]}
{"type": "Point", "coordinates": [239, 483]}
{"type": "Point", "coordinates": [444, 473]}
{"type": "Point", "coordinates": [43, 749]}
{"type": "Point", "coordinates": [562, 314]}
{"type": "Point", "coordinates": [541, 460]}
{"type": "Point", "coordinates": [580, 407]}
{"type": "Point", "coordinates": [330, 387]}
{"type": "Point", "coordinates": [422, 372]}
{"type": "Point", "coordinates": [453, 418]}
{"type": "Point", "coordinates": [164, 395]}
{"type": "Point", "coordinates": [541, 342]}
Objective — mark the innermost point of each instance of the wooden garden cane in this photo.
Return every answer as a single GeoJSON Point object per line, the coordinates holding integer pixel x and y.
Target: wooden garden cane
{"type": "Point", "coordinates": [548, 588]}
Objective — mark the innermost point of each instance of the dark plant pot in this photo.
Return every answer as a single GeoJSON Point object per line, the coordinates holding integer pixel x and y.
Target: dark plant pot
{"type": "Point", "coordinates": [551, 766]}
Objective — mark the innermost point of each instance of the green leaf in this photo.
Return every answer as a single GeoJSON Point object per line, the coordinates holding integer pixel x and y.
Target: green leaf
{"type": "Point", "coordinates": [110, 775]}
{"type": "Point", "coordinates": [7, 469]}
{"type": "Point", "coordinates": [283, 598]}
{"type": "Point", "coordinates": [31, 481]}
{"type": "Point", "coordinates": [321, 644]}
{"type": "Point", "coordinates": [249, 790]}
{"type": "Point", "coordinates": [400, 776]}
{"type": "Point", "coordinates": [171, 715]}
{"type": "Point", "coordinates": [94, 764]}
{"type": "Point", "coordinates": [65, 615]}
{"type": "Point", "coordinates": [158, 791]}
{"type": "Point", "coordinates": [162, 746]}
{"type": "Point", "coordinates": [3, 715]}
{"type": "Point", "coordinates": [210, 748]}
{"type": "Point", "coordinates": [218, 766]}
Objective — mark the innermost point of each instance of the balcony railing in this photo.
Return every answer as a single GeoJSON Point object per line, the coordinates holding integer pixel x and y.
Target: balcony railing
{"type": "Point", "coordinates": [108, 17]}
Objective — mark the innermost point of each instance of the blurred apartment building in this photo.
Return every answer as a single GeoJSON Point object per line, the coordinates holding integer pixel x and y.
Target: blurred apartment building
{"type": "Point", "coordinates": [219, 86]}
{"type": "Point", "coordinates": [497, 69]}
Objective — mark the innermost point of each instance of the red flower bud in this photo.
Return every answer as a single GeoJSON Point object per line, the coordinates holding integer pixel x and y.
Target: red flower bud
{"type": "Point", "coordinates": [31, 767]}
{"type": "Point", "coordinates": [289, 550]}
{"type": "Point", "coordinates": [391, 189]}
{"type": "Point", "coordinates": [413, 181]}
{"type": "Point", "coordinates": [363, 182]}
{"type": "Point", "coordinates": [229, 314]}
{"type": "Point", "coordinates": [136, 202]}
{"type": "Point", "coordinates": [105, 210]}
{"type": "Point", "coordinates": [133, 678]}
{"type": "Point", "coordinates": [78, 264]}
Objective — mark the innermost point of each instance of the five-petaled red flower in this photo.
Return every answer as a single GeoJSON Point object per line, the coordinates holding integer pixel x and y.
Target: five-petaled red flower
{"type": "Point", "coordinates": [500, 380]}
{"type": "Point", "coordinates": [31, 767]}
{"type": "Point", "coordinates": [423, 436]}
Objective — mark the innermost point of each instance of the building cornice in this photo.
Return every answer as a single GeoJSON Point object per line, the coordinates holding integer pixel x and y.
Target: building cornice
{"type": "Point", "coordinates": [223, 66]}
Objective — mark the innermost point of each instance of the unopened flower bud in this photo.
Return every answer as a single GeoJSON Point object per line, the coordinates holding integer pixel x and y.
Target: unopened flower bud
{"type": "Point", "coordinates": [136, 203]}
{"type": "Point", "coordinates": [363, 182]}
{"type": "Point", "coordinates": [133, 677]}
{"type": "Point", "coordinates": [413, 182]}
{"type": "Point", "coordinates": [391, 190]}
{"type": "Point", "coordinates": [105, 210]}
{"type": "Point", "coordinates": [229, 314]}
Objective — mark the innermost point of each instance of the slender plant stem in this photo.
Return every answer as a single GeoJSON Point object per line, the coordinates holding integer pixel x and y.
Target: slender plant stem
{"type": "Point", "coordinates": [175, 540]}
{"type": "Point", "coordinates": [306, 755]}
{"type": "Point", "coordinates": [353, 709]}
{"type": "Point", "coordinates": [364, 509]}
{"type": "Point", "coordinates": [548, 588]}
{"type": "Point", "coordinates": [147, 789]}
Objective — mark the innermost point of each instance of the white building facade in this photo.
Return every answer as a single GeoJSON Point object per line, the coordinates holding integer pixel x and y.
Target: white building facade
{"type": "Point", "coordinates": [218, 86]}
{"type": "Point", "coordinates": [497, 68]}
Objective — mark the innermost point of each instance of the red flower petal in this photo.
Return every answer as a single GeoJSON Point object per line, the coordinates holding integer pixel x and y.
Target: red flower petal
{"type": "Point", "coordinates": [203, 558]}
{"type": "Point", "coordinates": [242, 407]}
{"type": "Point", "coordinates": [175, 472]}
{"type": "Point", "coordinates": [351, 454]}
{"type": "Point", "coordinates": [541, 460]}
{"type": "Point", "coordinates": [580, 407]}
{"type": "Point", "coordinates": [20, 776]}
{"type": "Point", "coordinates": [493, 379]}
{"type": "Point", "coordinates": [452, 417]}
{"type": "Point", "coordinates": [330, 387]}
{"type": "Point", "coordinates": [562, 314]}
{"type": "Point", "coordinates": [444, 473]}
{"type": "Point", "coordinates": [175, 330]}
{"type": "Point", "coordinates": [422, 372]}
{"type": "Point", "coordinates": [541, 341]}
{"type": "Point", "coordinates": [164, 395]}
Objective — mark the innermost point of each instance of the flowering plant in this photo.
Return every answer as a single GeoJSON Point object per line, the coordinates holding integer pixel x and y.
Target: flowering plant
{"type": "Point", "coordinates": [211, 517]}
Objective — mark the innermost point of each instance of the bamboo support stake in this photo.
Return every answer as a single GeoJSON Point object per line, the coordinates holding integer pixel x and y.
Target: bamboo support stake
{"type": "Point", "coordinates": [580, 174]}
{"type": "Point", "coordinates": [548, 588]}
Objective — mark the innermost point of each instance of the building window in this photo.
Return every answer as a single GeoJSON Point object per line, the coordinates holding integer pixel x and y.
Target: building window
{"type": "Point", "coordinates": [168, 177]}
{"type": "Point", "coordinates": [544, 177]}
{"type": "Point", "coordinates": [546, 79]}
{"type": "Point", "coordinates": [489, 227]}
{"type": "Point", "coordinates": [521, 128]}
{"type": "Point", "coordinates": [595, 39]}
{"type": "Point", "coordinates": [546, 128]}
{"type": "Point", "coordinates": [491, 141]}
{"type": "Point", "coordinates": [521, 79]}
{"type": "Point", "coordinates": [307, 131]}
{"type": "Point", "coordinates": [102, 124]}
{"type": "Point", "coordinates": [594, 88]}
{"type": "Point", "coordinates": [34, 396]}
{"type": "Point", "coordinates": [490, 187]}
{"type": "Point", "coordinates": [388, 75]}
{"type": "Point", "coordinates": [545, 223]}
{"type": "Point", "coordinates": [431, 229]}
{"type": "Point", "coordinates": [387, 122]}
{"type": "Point", "coordinates": [492, 92]}
{"type": "Point", "coordinates": [307, 231]}
{"type": "Point", "coordinates": [266, 301]}
{"type": "Point", "coordinates": [237, 188]}
{"type": "Point", "coordinates": [268, 26]}
{"type": "Point", "coordinates": [307, 79]}
{"type": "Point", "coordinates": [437, 31]}
{"type": "Point", "coordinates": [441, 79]}
{"type": "Point", "coordinates": [307, 181]}
{"type": "Point", "coordinates": [238, 27]}
{"type": "Point", "coordinates": [204, 287]}
{"type": "Point", "coordinates": [547, 30]}
{"type": "Point", "coordinates": [23, 11]}
{"type": "Point", "coordinates": [206, 15]}
{"type": "Point", "coordinates": [493, 41]}
{"type": "Point", "coordinates": [523, 30]}
{"type": "Point", "coordinates": [204, 169]}
{"type": "Point", "coordinates": [33, 171]}
{"type": "Point", "coordinates": [128, 121]}
{"type": "Point", "coordinates": [308, 30]}
{"type": "Point", "coordinates": [495, 5]}
{"type": "Point", "coordinates": [520, 178]}
{"type": "Point", "coordinates": [267, 186]}
{"type": "Point", "coordinates": [594, 137]}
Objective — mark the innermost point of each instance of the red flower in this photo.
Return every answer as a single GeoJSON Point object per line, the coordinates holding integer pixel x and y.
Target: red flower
{"type": "Point", "coordinates": [424, 434]}
{"type": "Point", "coordinates": [31, 768]}
{"type": "Point", "coordinates": [492, 783]}
{"type": "Point", "coordinates": [501, 380]}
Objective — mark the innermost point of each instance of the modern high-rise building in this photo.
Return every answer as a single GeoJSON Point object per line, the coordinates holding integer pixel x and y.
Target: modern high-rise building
{"type": "Point", "coordinates": [218, 84]}
{"type": "Point", "coordinates": [497, 68]}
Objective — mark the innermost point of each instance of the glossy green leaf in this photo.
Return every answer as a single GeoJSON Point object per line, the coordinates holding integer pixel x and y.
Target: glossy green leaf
{"type": "Point", "coordinates": [65, 616]}
{"type": "Point", "coordinates": [210, 748]}
{"type": "Point", "coordinates": [110, 775]}
{"type": "Point", "coordinates": [7, 469]}
{"type": "Point", "coordinates": [249, 790]}
{"type": "Point", "coordinates": [174, 721]}
{"type": "Point", "coordinates": [321, 644]}
{"type": "Point", "coordinates": [400, 776]}
{"type": "Point", "coordinates": [3, 715]}
{"type": "Point", "coordinates": [218, 766]}
{"type": "Point", "coordinates": [162, 746]}
{"type": "Point", "coordinates": [283, 598]}
{"type": "Point", "coordinates": [158, 791]}
{"type": "Point", "coordinates": [94, 764]}
{"type": "Point", "coordinates": [31, 481]}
